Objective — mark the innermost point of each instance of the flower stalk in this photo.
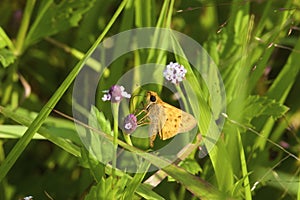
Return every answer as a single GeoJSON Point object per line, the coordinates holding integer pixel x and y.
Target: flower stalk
{"type": "Point", "coordinates": [115, 94]}
{"type": "Point", "coordinates": [115, 108]}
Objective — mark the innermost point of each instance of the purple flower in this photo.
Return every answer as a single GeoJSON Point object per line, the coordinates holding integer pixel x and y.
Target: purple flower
{"type": "Point", "coordinates": [174, 72]}
{"type": "Point", "coordinates": [130, 123]}
{"type": "Point", "coordinates": [115, 94]}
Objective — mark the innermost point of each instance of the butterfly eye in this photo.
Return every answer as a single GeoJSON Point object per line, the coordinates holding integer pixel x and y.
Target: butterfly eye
{"type": "Point", "coordinates": [152, 98]}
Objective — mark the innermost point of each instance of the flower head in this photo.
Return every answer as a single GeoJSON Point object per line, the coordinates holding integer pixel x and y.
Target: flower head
{"type": "Point", "coordinates": [115, 94]}
{"type": "Point", "coordinates": [174, 72]}
{"type": "Point", "coordinates": [130, 123]}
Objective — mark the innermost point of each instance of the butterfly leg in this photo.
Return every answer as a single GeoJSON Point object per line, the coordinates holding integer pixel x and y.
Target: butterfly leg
{"type": "Point", "coordinates": [143, 119]}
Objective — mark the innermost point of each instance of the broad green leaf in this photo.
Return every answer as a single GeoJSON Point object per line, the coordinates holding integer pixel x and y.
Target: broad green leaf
{"type": "Point", "coordinates": [6, 57]}
{"type": "Point", "coordinates": [108, 189]}
{"type": "Point", "coordinates": [255, 106]}
{"type": "Point", "coordinates": [5, 41]}
{"type": "Point", "coordinates": [55, 17]}
{"type": "Point", "coordinates": [287, 182]}
{"type": "Point", "coordinates": [101, 146]}
{"type": "Point", "coordinates": [191, 165]}
{"type": "Point", "coordinates": [104, 124]}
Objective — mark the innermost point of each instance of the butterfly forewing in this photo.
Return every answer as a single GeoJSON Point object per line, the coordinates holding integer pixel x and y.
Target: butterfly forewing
{"type": "Point", "coordinates": [177, 121]}
{"type": "Point", "coordinates": [166, 120]}
{"type": "Point", "coordinates": [188, 122]}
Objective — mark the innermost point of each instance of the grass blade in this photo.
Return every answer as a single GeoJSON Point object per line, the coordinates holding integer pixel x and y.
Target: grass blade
{"type": "Point", "coordinates": [36, 124]}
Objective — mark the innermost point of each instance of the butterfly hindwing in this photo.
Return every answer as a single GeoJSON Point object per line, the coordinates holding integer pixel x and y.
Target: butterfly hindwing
{"type": "Point", "coordinates": [157, 119]}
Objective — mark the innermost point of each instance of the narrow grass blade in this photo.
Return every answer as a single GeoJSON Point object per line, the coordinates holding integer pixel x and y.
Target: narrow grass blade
{"type": "Point", "coordinates": [36, 124]}
{"type": "Point", "coordinates": [46, 133]}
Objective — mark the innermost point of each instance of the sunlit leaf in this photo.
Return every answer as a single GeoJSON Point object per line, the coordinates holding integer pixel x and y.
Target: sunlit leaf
{"type": "Point", "coordinates": [6, 57]}
{"type": "Point", "coordinates": [55, 17]}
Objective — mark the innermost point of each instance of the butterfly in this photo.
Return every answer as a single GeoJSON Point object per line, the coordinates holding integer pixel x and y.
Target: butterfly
{"type": "Point", "coordinates": [165, 119]}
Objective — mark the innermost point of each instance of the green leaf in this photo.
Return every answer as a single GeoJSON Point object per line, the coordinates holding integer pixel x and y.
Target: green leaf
{"type": "Point", "coordinates": [239, 186]}
{"type": "Point", "coordinates": [191, 165]}
{"type": "Point", "coordinates": [255, 106]}
{"type": "Point", "coordinates": [6, 57]}
{"type": "Point", "coordinates": [54, 18]}
{"type": "Point", "coordinates": [108, 189]}
{"type": "Point", "coordinates": [144, 190]}
{"type": "Point", "coordinates": [136, 180]}
{"type": "Point", "coordinates": [15, 131]}
{"type": "Point", "coordinates": [58, 127]}
{"type": "Point", "coordinates": [52, 134]}
{"type": "Point", "coordinates": [5, 41]}
{"type": "Point", "coordinates": [97, 168]}
{"type": "Point", "coordinates": [104, 148]}
{"type": "Point", "coordinates": [104, 123]}
{"type": "Point", "coordinates": [287, 182]}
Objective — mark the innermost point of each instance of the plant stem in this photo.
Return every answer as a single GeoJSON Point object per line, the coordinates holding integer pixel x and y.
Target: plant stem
{"type": "Point", "coordinates": [24, 26]}
{"type": "Point", "coordinates": [127, 139]}
{"type": "Point", "coordinates": [115, 109]}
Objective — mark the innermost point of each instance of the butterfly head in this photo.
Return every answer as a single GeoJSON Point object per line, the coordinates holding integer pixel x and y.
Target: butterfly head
{"type": "Point", "coordinates": [152, 98]}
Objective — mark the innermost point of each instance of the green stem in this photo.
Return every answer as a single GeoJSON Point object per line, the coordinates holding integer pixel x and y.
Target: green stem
{"type": "Point", "coordinates": [24, 26]}
{"type": "Point", "coordinates": [170, 14]}
{"type": "Point", "coordinates": [115, 110]}
{"type": "Point", "coordinates": [127, 139]}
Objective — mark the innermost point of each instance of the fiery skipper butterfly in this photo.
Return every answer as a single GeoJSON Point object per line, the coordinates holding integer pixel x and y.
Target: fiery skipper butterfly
{"type": "Point", "coordinates": [166, 120]}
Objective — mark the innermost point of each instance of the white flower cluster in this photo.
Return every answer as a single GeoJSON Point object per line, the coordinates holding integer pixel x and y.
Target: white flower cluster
{"type": "Point", "coordinates": [124, 93]}
{"type": "Point", "coordinates": [106, 97]}
{"type": "Point", "coordinates": [174, 72]}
